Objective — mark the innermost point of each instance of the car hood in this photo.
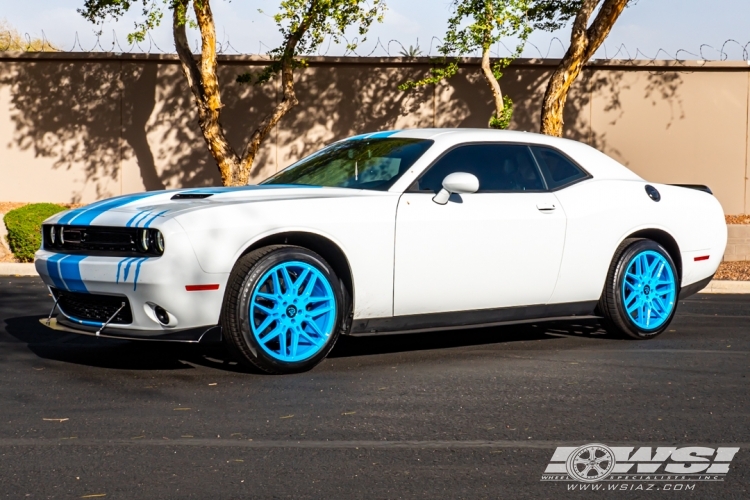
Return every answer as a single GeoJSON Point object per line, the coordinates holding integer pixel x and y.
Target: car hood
{"type": "Point", "coordinates": [144, 209]}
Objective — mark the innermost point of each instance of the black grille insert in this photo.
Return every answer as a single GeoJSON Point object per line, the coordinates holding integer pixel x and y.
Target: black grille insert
{"type": "Point", "coordinates": [99, 240]}
{"type": "Point", "coordinates": [93, 307]}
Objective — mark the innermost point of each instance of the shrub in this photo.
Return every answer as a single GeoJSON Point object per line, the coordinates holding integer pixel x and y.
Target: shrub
{"type": "Point", "coordinates": [25, 228]}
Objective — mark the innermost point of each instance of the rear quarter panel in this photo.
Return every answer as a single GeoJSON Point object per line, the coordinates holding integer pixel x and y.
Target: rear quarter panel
{"type": "Point", "coordinates": [602, 213]}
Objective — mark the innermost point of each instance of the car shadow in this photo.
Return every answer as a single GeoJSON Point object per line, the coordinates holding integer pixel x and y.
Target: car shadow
{"type": "Point", "coordinates": [133, 355]}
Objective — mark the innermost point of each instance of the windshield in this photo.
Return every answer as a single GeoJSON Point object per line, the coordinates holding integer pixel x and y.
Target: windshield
{"type": "Point", "coordinates": [359, 163]}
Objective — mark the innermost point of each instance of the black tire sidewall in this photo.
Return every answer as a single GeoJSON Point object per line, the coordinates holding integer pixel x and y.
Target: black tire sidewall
{"type": "Point", "coordinates": [286, 254]}
{"type": "Point", "coordinates": [627, 323]}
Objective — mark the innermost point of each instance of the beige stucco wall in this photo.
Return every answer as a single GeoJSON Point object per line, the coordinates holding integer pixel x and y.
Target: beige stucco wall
{"type": "Point", "coordinates": [80, 127]}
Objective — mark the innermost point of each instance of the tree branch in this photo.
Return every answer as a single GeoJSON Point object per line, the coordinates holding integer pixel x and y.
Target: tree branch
{"type": "Point", "coordinates": [204, 84]}
{"type": "Point", "coordinates": [584, 42]}
{"type": "Point", "coordinates": [288, 101]}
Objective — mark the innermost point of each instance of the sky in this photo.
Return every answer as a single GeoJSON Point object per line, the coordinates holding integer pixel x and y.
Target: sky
{"type": "Point", "coordinates": [662, 29]}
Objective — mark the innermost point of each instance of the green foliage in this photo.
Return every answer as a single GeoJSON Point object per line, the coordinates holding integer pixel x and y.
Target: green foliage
{"type": "Point", "coordinates": [306, 24]}
{"type": "Point", "coordinates": [551, 15]}
{"type": "Point", "coordinates": [98, 11]}
{"type": "Point", "coordinates": [25, 228]}
{"type": "Point", "coordinates": [411, 51]}
{"type": "Point", "coordinates": [503, 121]}
{"type": "Point", "coordinates": [477, 25]}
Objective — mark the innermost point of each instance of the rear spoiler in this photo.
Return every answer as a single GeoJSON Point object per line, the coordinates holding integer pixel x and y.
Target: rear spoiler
{"type": "Point", "coordinates": [699, 187]}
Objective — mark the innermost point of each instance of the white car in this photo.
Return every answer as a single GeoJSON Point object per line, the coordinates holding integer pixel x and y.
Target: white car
{"type": "Point", "coordinates": [398, 231]}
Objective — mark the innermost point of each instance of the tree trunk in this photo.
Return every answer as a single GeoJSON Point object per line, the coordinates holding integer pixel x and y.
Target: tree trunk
{"type": "Point", "coordinates": [204, 84]}
{"type": "Point", "coordinates": [583, 44]}
{"type": "Point", "coordinates": [497, 95]}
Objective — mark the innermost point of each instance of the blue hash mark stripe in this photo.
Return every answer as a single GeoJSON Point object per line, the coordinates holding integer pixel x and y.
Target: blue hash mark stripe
{"type": "Point", "coordinates": [128, 263]}
{"type": "Point", "coordinates": [86, 215]}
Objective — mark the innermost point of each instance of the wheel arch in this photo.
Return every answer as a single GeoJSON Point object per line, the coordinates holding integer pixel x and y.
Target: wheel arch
{"type": "Point", "coordinates": [325, 247]}
{"type": "Point", "coordinates": [667, 241]}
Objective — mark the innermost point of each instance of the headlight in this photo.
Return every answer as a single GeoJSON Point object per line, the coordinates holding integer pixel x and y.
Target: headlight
{"type": "Point", "coordinates": [62, 235]}
{"type": "Point", "coordinates": [159, 242]}
{"type": "Point", "coordinates": [52, 235]}
{"type": "Point", "coordinates": [144, 241]}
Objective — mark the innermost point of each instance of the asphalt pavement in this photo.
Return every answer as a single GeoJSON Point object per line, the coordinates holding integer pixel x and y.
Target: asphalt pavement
{"type": "Point", "coordinates": [465, 414]}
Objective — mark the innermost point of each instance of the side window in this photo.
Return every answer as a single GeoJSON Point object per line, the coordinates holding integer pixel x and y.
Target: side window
{"type": "Point", "coordinates": [499, 167]}
{"type": "Point", "coordinates": [558, 170]}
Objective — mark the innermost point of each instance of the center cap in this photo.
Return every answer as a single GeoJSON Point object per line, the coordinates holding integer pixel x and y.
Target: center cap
{"type": "Point", "coordinates": [647, 289]}
{"type": "Point", "coordinates": [291, 311]}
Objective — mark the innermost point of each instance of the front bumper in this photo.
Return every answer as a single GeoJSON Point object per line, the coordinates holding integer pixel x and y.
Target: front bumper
{"type": "Point", "coordinates": [174, 282]}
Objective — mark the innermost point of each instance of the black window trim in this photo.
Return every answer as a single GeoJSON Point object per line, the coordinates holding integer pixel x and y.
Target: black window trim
{"type": "Point", "coordinates": [587, 175]}
{"type": "Point", "coordinates": [413, 187]}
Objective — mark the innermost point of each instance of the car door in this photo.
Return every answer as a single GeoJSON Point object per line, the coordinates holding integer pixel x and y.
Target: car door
{"type": "Point", "coordinates": [498, 247]}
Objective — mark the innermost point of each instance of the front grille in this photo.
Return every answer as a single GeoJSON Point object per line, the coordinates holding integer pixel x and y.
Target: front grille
{"type": "Point", "coordinates": [98, 240]}
{"type": "Point", "coordinates": [92, 307]}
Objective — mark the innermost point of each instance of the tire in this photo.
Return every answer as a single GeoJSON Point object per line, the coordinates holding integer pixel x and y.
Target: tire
{"type": "Point", "coordinates": [640, 295]}
{"type": "Point", "coordinates": [283, 310]}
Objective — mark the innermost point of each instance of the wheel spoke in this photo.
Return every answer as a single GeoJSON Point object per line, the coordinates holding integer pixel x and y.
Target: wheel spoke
{"type": "Point", "coordinates": [273, 334]}
{"type": "Point", "coordinates": [319, 312]}
{"type": "Point", "coordinates": [632, 297]}
{"type": "Point", "coordinates": [300, 281]}
{"type": "Point", "coordinates": [315, 327]}
{"type": "Point", "coordinates": [268, 296]}
{"type": "Point", "coordinates": [295, 340]}
{"type": "Point", "coordinates": [310, 287]}
{"type": "Point", "coordinates": [313, 341]}
{"type": "Point", "coordinates": [635, 305]}
{"type": "Point", "coordinates": [282, 341]}
{"type": "Point", "coordinates": [276, 284]}
{"type": "Point", "coordinates": [288, 284]}
{"type": "Point", "coordinates": [263, 308]}
{"type": "Point", "coordinates": [264, 324]}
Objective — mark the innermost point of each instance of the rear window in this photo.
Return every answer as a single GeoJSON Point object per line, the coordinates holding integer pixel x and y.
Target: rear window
{"type": "Point", "coordinates": [558, 169]}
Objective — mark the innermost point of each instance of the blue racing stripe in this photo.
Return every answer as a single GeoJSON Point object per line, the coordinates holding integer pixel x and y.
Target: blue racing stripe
{"type": "Point", "coordinates": [127, 267]}
{"type": "Point", "coordinates": [86, 215]}
{"type": "Point", "coordinates": [71, 273]}
{"type": "Point", "coordinates": [84, 322]}
{"type": "Point", "coordinates": [221, 190]}
{"type": "Point", "coordinates": [375, 135]}
{"type": "Point", "coordinates": [53, 270]}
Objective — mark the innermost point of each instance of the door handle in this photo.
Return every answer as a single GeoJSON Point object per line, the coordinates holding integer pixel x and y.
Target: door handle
{"type": "Point", "coordinates": [546, 207]}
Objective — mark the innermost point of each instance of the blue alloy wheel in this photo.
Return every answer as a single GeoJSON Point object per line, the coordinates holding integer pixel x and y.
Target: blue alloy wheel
{"type": "Point", "coordinates": [649, 290]}
{"type": "Point", "coordinates": [292, 311]}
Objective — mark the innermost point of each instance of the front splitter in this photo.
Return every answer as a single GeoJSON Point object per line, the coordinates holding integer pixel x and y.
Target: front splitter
{"type": "Point", "coordinates": [189, 336]}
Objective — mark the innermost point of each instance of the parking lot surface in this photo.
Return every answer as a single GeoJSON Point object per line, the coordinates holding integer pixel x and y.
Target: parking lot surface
{"type": "Point", "coordinates": [463, 414]}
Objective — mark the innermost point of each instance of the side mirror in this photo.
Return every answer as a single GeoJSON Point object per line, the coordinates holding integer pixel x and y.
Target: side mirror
{"type": "Point", "coordinates": [458, 183]}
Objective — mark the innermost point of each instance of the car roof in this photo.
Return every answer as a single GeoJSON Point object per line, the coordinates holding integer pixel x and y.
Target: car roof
{"type": "Point", "coordinates": [598, 164]}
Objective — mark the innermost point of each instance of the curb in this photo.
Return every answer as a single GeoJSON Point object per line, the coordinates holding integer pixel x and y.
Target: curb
{"type": "Point", "coordinates": [16, 269]}
{"type": "Point", "coordinates": [726, 286]}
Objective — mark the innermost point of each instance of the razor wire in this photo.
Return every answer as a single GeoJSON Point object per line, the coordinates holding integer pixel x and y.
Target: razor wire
{"type": "Point", "coordinates": [556, 48]}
